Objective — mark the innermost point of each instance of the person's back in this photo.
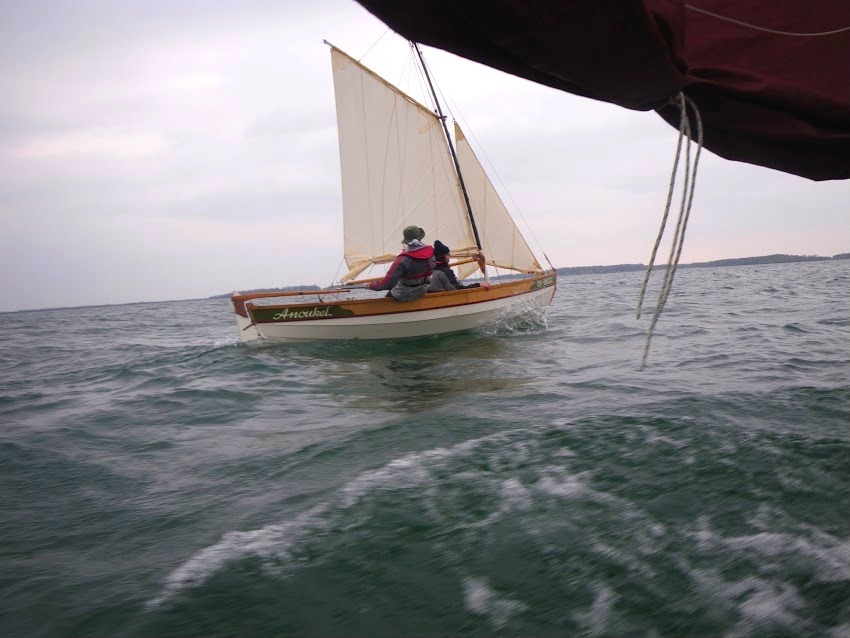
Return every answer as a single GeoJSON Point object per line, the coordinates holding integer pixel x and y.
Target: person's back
{"type": "Point", "coordinates": [408, 276]}
{"type": "Point", "coordinates": [443, 277]}
{"type": "Point", "coordinates": [439, 281]}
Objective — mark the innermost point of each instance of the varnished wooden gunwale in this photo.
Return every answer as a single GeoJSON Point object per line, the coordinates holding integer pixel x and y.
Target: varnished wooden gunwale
{"type": "Point", "coordinates": [431, 301]}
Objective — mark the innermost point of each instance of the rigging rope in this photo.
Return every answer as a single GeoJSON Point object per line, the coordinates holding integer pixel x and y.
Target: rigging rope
{"type": "Point", "coordinates": [452, 109]}
{"type": "Point", "coordinates": [758, 28]}
{"type": "Point", "coordinates": [360, 59]}
{"type": "Point", "coordinates": [684, 214]}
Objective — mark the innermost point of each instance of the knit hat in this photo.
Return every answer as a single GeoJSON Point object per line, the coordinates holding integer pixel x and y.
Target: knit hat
{"type": "Point", "coordinates": [440, 248]}
{"type": "Point", "coordinates": [413, 232]}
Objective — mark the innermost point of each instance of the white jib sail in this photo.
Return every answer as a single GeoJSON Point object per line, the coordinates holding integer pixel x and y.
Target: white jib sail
{"type": "Point", "coordinates": [501, 242]}
{"type": "Point", "coordinates": [397, 170]}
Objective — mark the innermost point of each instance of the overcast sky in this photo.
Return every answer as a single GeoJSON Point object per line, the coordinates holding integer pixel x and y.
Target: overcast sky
{"type": "Point", "coordinates": [168, 150]}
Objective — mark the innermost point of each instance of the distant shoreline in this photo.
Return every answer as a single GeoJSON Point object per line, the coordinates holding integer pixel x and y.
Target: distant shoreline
{"type": "Point", "coordinates": [567, 271]}
{"type": "Point", "coordinates": [717, 263]}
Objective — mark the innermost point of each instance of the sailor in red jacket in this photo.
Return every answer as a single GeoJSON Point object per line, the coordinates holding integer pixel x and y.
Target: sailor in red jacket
{"type": "Point", "coordinates": [408, 276]}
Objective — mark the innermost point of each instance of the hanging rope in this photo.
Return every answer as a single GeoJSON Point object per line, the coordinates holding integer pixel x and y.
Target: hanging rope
{"type": "Point", "coordinates": [682, 221]}
{"type": "Point", "coordinates": [682, 120]}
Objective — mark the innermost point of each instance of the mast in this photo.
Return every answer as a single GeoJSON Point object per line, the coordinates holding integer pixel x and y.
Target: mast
{"type": "Point", "coordinates": [451, 146]}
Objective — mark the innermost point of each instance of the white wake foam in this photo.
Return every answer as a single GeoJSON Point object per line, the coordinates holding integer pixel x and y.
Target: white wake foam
{"type": "Point", "coordinates": [482, 600]}
{"type": "Point", "coordinates": [276, 541]}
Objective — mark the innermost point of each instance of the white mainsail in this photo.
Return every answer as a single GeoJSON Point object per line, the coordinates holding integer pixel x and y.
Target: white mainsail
{"type": "Point", "coordinates": [501, 242]}
{"type": "Point", "coordinates": [397, 170]}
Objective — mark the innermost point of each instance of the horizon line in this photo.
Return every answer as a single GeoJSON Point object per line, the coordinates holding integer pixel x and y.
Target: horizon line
{"type": "Point", "coordinates": [801, 259]}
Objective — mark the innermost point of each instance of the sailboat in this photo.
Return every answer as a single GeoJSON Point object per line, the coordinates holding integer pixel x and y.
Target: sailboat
{"type": "Point", "coordinates": [400, 168]}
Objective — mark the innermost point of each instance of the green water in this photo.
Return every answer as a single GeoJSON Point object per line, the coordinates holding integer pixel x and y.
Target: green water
{"type": "Point", "coordinates": [159, 479]}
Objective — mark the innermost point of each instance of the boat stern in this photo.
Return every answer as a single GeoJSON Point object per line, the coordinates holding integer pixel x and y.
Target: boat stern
{"type": "Point", "coordinates": [248, 330]}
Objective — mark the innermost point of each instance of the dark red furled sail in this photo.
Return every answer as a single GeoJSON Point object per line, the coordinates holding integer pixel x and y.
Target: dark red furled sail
{"type": "Point", "coordinates": [771, 79]}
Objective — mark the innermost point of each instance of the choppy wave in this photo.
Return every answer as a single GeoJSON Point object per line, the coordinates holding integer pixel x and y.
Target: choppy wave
{"type": "Point", "coordinates": [159, 478]}
{"type": "Point", "coordinates": [550, 496]}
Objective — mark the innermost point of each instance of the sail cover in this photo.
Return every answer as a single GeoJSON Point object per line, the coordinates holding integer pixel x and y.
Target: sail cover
{"type": "Point", "coordinates": [397, 170]}
{"type": "Point", "coordinates": [501, 242]}
{"type": "Point", "coordinates": [771, 79]}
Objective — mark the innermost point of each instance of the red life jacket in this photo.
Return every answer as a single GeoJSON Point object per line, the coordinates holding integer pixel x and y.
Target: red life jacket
{"type": "Point", "coordinates": [422, 255]}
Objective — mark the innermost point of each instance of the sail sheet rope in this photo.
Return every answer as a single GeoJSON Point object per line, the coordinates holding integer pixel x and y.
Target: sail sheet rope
{"type": "Point", "coordinates": [689, 183]}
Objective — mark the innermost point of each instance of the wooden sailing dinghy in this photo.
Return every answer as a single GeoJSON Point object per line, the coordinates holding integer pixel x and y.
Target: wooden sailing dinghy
{"type": "Point", "coordinates": [400, 168]}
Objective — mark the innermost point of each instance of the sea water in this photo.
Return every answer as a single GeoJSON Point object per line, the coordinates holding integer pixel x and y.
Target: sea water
{"type": "Point", "coordinates": [157, 478]}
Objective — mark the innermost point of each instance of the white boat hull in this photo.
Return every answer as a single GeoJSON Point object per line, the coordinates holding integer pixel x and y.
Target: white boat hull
{"type": "Point", "coordinates": [401, 325]}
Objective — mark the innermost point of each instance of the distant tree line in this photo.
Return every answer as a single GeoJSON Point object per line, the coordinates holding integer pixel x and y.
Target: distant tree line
{"type": "Point", "coordinates": [227, 295]}
{"type": "Point", "coordinates": [595, 270]}
{"type": "Point", "coordinates": [741, 261]}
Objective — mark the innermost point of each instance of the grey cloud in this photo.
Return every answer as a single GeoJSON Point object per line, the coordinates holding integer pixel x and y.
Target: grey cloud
{"type": "Point", "coordinates": [210, 115]}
